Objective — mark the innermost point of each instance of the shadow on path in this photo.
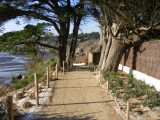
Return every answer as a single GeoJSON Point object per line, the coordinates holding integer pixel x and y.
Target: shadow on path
{"type": "Point", "coordinates": [61, 116]}
{"type": "Point", "coordinates": [79, 68]}
{"type": "Point", "coordinates": [80, 103]}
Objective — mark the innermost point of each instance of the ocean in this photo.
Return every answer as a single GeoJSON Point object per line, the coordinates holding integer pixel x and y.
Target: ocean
{"type": "Point", "coordinates": [11, 65]}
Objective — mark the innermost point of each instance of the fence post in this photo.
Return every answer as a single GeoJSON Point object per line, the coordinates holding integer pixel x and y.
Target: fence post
{"type": "Point", "coordinates": [71, 65]}
{"type": "Point", "coordinates": [127, 112]}
{"type": "Point", "coordinates": [47, 77]}
{"type": "Point", "coordinates": [96, 71]}
{"type": "Point", "coordinates": [10, 111]}
{"type": "Point", "coordinates": [107, 87]}
{"type": "Point", "coordinates": [99, 76]}
{"type": "Point", "coordinates": [36, 89]}
{"type": "Point", "coordinates": [63, 67]}
{"type": "Point", "coordinates": [57, 71]}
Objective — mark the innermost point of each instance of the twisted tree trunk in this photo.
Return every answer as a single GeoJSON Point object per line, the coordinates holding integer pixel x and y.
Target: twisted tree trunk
{"type": "Point", "coordinates": [102, 45]}
{"type": "Point", "coordinates": [115, 54]}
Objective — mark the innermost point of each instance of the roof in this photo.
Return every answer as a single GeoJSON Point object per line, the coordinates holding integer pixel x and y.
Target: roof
{"type": "Point", "coordinates": [89, 46]}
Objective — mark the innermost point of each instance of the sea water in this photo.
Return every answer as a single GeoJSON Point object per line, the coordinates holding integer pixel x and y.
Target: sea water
{"type": "Point", "coordinates": [11, 65]}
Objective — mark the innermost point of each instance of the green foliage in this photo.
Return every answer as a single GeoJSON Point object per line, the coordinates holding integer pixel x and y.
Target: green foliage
{"type": "Point", "coordinates": [35, 66]}
{"type": "Point", "coordinates": [88, 36]}
{"type": "Point", "coordinates": [153, 99]}
{"type": "Point", "coordinates": [21, 84]}
{"type": "Point", "coordinates": [24, 41]}
{"type": "Point", "coordinates": [132, 88]}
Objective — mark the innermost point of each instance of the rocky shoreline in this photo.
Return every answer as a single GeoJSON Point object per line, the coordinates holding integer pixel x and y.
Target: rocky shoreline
{"type": "Point", "coordinates": [11, 65]}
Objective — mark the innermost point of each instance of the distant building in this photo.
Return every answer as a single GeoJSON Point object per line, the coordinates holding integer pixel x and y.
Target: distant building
{"type": "Point", "coordinates": [88, 52]}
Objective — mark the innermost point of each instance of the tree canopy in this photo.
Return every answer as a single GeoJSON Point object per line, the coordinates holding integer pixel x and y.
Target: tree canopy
{"type": "Point", "coordinates": [58, 13]}
{"type": "Point", "coordinates": [124, 23]}
{"type": "Point", "coordinates": [27, 40]}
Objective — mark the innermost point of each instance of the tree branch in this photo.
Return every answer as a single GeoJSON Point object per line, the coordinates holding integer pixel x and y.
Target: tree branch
{"type": "Point", "coordinates": [38, 43]}
{"type": "Point", "coordinates": [114, 11]}
{"type": "Point", "coordinates": [42, 17]}
{"type": "Point", "coordinates": [134, 16]}
{"type": "Point", "coordinates": [46, 45]}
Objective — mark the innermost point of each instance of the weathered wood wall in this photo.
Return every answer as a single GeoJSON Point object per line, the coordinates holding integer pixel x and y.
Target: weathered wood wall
{"type": "Point", "coordinates": [144, 58]}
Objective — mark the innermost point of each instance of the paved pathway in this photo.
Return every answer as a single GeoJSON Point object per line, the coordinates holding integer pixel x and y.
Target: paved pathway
{"type": "Point", "coordinates": [77, 96]}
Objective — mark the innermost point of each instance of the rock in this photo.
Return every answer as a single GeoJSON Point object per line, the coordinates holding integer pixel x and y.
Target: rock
{"type": "Point", "coordinates": [143, 97]}
{"type": "Point", "coordinates": [31, 95]}
{"type": "Point", "coordinates": [54, 73]}
{"type": "Point", "coordinates": [134, 101]}
{"type": "Point", "coordinates": [19, 96]}
{"type": "Point", "coordinates": [137, 109]}
{"type": "Point", "coordinates": [146, 109]}
{"type": "Point", "coordinates": [2, 111]}
{"type": "Point", "coordinates": [23, 77]}
{"type": "Point", "coordinates": [26, 104]}
{"type": "Point", "coordinates": [16, 78]}
{"type": "Point", "coordinates": [156, 109]}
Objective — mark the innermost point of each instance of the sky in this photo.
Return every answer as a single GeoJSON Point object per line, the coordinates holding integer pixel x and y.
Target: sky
{"type": "Point", "coordinates": [86, 27]}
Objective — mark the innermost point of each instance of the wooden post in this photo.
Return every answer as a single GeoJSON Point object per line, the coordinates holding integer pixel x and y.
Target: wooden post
{"type": "Point", "coordinates": [63, 67]}
{"type": "Point", "coordinates": [57, 71]}
{"type": "Point", "coordinates": [94, 68]}
{"type": "Point", "coordinates": [99, 76]}
{"type": "Point", "coordinates": [10, 111]}
{"type": "Point", "coordinates": [36, 89]}
{"type": "Point", "coordinates": [96, 71]}
{"type": "Point", "coordinates": [127, 112]}
{"type": "Point", "coordinates": [71, 64]}
{"type": "Point", "coordinates": [107, 87]}
{"type": "Point", "coordinates": [47, 77]}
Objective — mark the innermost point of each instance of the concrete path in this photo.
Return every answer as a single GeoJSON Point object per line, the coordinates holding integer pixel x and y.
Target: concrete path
{"type": "Point", "coordinates": [77, 96]}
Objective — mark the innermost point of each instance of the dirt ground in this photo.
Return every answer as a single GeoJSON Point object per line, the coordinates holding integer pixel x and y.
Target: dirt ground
{"type": "Point", "coordinates": [77, 96]}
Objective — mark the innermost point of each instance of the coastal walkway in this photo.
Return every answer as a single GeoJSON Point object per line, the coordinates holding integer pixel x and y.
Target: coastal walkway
{"type": "Point", "coordinates": [77, 96]}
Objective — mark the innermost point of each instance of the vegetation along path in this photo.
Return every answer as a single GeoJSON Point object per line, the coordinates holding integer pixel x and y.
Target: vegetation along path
{"type": "Point", "coordinates": [77, 96]}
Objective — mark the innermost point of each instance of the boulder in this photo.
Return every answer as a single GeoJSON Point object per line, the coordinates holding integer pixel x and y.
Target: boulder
{"type": "Point", "coordinates": [16, 78]}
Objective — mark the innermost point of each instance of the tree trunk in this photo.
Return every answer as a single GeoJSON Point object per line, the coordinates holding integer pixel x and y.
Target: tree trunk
{"type": "Point", "coordinates": [62, 48]}
{"type": "Point", "coordinates": [62, 56]}
{"type": "Point", "coordinates": [63, 37]}
{"type": "Point", "coordinates": [115, 54]}
{"type": "Point", "coordinates": [106, 51]}
{"type": "Point", "coordinates": [103, 45]}
{"type": "Point", "coordinates": [77, 21]}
